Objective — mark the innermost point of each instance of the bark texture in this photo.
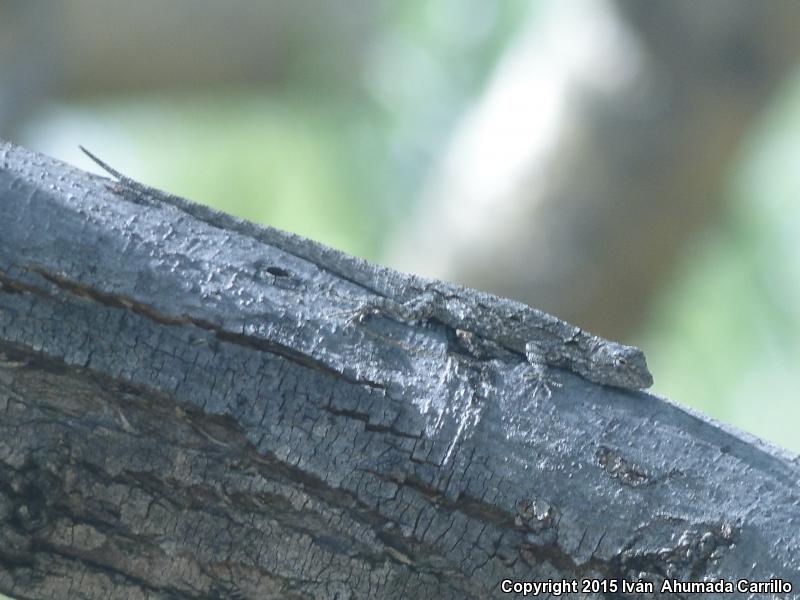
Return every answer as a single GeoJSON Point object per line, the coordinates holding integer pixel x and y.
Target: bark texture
{"type": "Point", "coordinates": [188, 411]}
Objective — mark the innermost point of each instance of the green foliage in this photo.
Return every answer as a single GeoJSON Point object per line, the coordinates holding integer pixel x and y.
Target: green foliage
{"type": "Point", "coordinates": [725, 336]}
{"type": "Point", "coordinates": [340, 159]}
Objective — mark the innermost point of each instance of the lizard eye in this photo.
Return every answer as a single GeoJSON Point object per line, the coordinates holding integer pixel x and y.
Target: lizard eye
{"type": "Point", "coordinates": [620, 362]}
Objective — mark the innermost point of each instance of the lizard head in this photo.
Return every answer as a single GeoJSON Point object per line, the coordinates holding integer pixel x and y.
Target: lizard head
{"type": "Point", "coordinates": [620, 366]}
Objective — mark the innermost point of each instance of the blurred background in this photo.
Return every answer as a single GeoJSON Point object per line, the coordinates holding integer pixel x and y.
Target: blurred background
{"type": "Point", "coordinates": [632, 167]}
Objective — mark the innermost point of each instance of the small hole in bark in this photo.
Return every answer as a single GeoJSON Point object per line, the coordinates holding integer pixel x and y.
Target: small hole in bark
{"type": "Point", "coordinates": [278, 272]}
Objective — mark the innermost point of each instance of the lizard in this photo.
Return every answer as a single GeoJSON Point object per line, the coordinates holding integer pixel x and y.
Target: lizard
{"type": "Point", "coordinates": [482, 322]}
{"type": "Point", "coordinates": [544, 340]}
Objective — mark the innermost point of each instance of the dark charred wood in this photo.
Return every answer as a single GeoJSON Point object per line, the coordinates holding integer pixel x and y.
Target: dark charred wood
{"type": "Point", "coordinates": [187, 410]}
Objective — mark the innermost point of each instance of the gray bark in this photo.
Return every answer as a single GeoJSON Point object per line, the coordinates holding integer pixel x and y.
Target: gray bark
{"type": "Point", "coordinates": [189, 412]}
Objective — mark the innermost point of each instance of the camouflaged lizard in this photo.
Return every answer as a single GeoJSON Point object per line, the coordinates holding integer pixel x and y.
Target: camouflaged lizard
{"type": "Point", "coordinates": [481, 321]}
{"type": "Point", "coordinates": [546, 341]}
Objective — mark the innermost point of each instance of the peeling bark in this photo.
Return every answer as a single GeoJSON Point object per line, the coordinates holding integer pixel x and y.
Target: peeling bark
{"type": "Point", "coordinates": [188, 411]}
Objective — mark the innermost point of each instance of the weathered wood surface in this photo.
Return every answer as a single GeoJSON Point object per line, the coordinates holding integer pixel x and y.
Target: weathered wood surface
{"type": "Point", "coordinates": [187, 411]}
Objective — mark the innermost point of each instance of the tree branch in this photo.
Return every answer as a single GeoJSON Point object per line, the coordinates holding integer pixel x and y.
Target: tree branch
{"type": "Point", "coordinates": [188, 411]}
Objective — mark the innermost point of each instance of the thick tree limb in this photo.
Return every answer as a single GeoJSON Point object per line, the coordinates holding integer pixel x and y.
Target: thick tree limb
{"type": "Point", "coordinates": [189, 412]}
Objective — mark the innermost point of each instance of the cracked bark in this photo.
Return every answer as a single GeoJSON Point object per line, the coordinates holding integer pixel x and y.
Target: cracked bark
{"type": "Point", "coordinates": [188, 412]}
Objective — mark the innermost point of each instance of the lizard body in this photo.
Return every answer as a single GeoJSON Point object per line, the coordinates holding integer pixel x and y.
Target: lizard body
{"type": "Point", "coordinates": [479, 319]}
{"type": "Point", "coordinates": [546, 341]}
